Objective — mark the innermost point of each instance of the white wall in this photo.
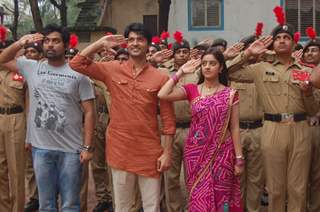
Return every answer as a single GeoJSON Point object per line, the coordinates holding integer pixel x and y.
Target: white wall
{"type": "Point", "coordinates": [240, 18]}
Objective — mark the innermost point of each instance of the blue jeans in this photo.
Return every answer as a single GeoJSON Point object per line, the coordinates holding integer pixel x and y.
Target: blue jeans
{"type": "Point", "coordinates": [57, 173]}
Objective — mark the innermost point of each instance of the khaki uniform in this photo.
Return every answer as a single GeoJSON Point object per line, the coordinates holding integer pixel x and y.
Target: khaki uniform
{"type": "Point", "coordinates": [12, 138]}
{"type": "Point", "coordinates": [286, 146]}
{"type": "Point", "coordinates": [100, 169]}
{"type": "Point", "coordinates": [314, 193]}
{"type": "Point", "coordinates": [251, 115]}
{"type": "Point", "coordinates": [175, 194]}
{"type": "Point", "coordinates": [84, 188]}
{"type": "Point", "coordinates": [30, 178]}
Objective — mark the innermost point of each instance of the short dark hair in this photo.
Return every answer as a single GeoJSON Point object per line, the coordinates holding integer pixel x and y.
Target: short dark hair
{"type": "Point", "coordinates": [223, 76]}
{"type": "Point", "coordinates": [60, 29]}
{"type": "Point", "coordinates": [121, 51]}
{"type": "Point", "coordinates": [138, 28]}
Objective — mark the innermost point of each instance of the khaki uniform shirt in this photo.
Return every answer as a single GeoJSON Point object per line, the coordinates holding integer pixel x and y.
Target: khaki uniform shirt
{"type": "Point", "coordinates": [101, 107]}
{"type": "Point", "coordinates": [278, 91]}
{"type": "Point", "coordinates": [250, 107]}
{"type": "Point", "coordinates": [12, 89]}
{"type": "Point", "coordinates": [182, 108]}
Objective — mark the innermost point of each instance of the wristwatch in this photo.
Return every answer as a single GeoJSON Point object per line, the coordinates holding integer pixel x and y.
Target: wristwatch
{"type": "Point", "coordinates": [87, 148]}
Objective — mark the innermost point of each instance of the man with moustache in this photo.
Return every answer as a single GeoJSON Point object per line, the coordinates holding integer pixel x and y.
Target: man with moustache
{"type": "Point", "coordinates": [134, 151]}
{"type": "Point", "coordinates": [58, 149]}
{"type": "Point", "coordinates": [286, 138]}
{"type": "Point", "coordinates": [12, 138]}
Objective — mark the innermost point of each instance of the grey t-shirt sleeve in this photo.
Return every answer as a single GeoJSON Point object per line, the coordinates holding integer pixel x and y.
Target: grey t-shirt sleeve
{"type": "Point", "coordinates": [25, 66]}
{"type": "Point", "coordinates": [86, 91]}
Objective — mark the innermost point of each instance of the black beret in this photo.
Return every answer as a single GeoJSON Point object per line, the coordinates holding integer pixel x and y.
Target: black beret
{"type": "Point", "coordinates": [219, 42]}
{"type": "Point", "coordinates": [286, 28]}
{"type": "Point", "coordinates": [183, 45]}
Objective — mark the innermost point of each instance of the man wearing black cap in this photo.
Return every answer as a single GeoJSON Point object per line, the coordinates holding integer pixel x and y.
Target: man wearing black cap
{"type": "Point", "coordinates": [12, 139]}
{"type": "Point", "coordinates": [311, 56]}
{"type": "Point", "coordinates": [175, 199]}
{"type": "Point", "coordinates": [287, 99]}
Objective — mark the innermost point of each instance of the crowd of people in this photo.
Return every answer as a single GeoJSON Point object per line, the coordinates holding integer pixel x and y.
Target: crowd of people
{"type": "Point", "coordinates": [239, 124]}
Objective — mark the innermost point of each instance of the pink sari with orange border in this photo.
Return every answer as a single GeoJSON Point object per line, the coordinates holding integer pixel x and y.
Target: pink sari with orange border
{"type": "Point", "coordinates": [209, 154]}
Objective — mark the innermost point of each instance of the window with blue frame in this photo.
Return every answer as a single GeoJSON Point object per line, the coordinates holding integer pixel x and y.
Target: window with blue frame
{"type": "Point", "coordinates": [302, 14]}
{"type": "Point", "coordinates": [205, 14]}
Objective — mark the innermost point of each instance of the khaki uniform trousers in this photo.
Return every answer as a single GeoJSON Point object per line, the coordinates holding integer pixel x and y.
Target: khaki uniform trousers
{"type": "Point", "coordinates": [252, 179]}
{"type": "Point", "coordinates": [12, 162]}
{"type": "Point", "coordinates": [30, 178]}
{"type": "Point", "coordinates": [100, 170]}
{"type": "Point", "coordinates": [84, 188]}
{"type": "Point", "coordinates": [286, 150]}
{"type": "Point", "coordinates": [124, 185]}
{"type": "Point", "coordinates": [314, 189]}
{"type": "Point", "coordinates": [175, 193]}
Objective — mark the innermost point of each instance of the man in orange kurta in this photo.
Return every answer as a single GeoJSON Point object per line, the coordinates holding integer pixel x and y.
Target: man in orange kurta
{"type": "Point", "coordinates": [134, 151]}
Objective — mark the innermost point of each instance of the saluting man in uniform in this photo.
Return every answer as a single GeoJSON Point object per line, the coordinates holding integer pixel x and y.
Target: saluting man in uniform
{"type": "Point", "coordinates": [286, 101]}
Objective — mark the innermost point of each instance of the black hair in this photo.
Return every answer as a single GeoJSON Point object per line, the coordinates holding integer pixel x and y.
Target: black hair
{"type": "Point", "coordinates": [138, 28]}
{"type": "Point", "coordinates": [223, 75]}
{"type": "Point", "coordinates": [60, 29]}
{"type": "Point", "coordinates": [157, 47]}
{"type": "Point", "coordinates": [121, 51]}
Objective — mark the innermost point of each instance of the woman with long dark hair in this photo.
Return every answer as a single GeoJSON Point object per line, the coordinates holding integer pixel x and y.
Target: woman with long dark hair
{"type": "Point", "coordinates": [212, 156]}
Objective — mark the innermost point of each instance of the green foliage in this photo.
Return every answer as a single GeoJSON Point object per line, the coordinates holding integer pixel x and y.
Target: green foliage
{"type": "Point", "coordinates": [48, 12]}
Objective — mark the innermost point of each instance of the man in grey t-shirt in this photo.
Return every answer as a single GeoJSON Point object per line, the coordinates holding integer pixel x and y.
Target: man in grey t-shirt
{"type": "Point", "coordinates": [59, 100]}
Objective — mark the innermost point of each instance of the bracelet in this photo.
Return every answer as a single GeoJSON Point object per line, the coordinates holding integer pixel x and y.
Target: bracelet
{"type": "Point", "coordinates": [175, 78]}
{"type": "Point", "coordinates": [240, 157]}
{"type": "Point", "coordinates": [87, 148]}
{"type": "Point", "coordinates": [240, 162]}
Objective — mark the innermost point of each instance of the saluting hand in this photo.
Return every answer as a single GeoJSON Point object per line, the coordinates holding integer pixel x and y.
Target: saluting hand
{"type": "Point", "coordinates": [110, 41]}
{"type": "Point", "coordinates": [297, 54]}
{"type": "Point", "coordinates": [30, 38]}
{"type": "Point", "coordinates": [190, 66]}
{"type": "Point", "coordinates": [259, 47]}
{"type": "Point", "coordinates": [194, 54]}
{"type": "Point", "coordinates": [233, 50]}
{"type": "Point", "coordinates": [161, 56]}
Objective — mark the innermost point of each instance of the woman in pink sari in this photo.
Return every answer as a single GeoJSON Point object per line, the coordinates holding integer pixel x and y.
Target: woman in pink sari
{"type": "Point", "coordinates": [212, 156]}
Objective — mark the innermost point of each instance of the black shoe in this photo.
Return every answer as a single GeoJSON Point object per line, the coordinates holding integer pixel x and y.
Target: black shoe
{"type": "Point", "coordinates": [32, 205]}
{"type": "Point", "coordinates": [264, 199]}
{"type": "Point", "coordinates": [103, 206]}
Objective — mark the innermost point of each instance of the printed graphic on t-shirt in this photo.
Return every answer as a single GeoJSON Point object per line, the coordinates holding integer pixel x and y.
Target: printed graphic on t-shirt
{"type": "Point", "coordinates": [47, 116]}
{"type": "Point", "coordinates": [52, 94]}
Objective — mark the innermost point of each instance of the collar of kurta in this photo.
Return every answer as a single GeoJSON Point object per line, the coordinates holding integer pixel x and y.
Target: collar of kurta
{"type": "Point", "coordinates": [130, 64]}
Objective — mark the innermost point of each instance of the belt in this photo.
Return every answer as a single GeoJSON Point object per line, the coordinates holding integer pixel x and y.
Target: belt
{"type": "Point", "coordinates": [250, 124]}
{"type": "Point", "coordinates": [11, 110]}
{"type": "Point", "coordinates": [183, 125]}
{"type": "Point", "coordinates": [285, 117]}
